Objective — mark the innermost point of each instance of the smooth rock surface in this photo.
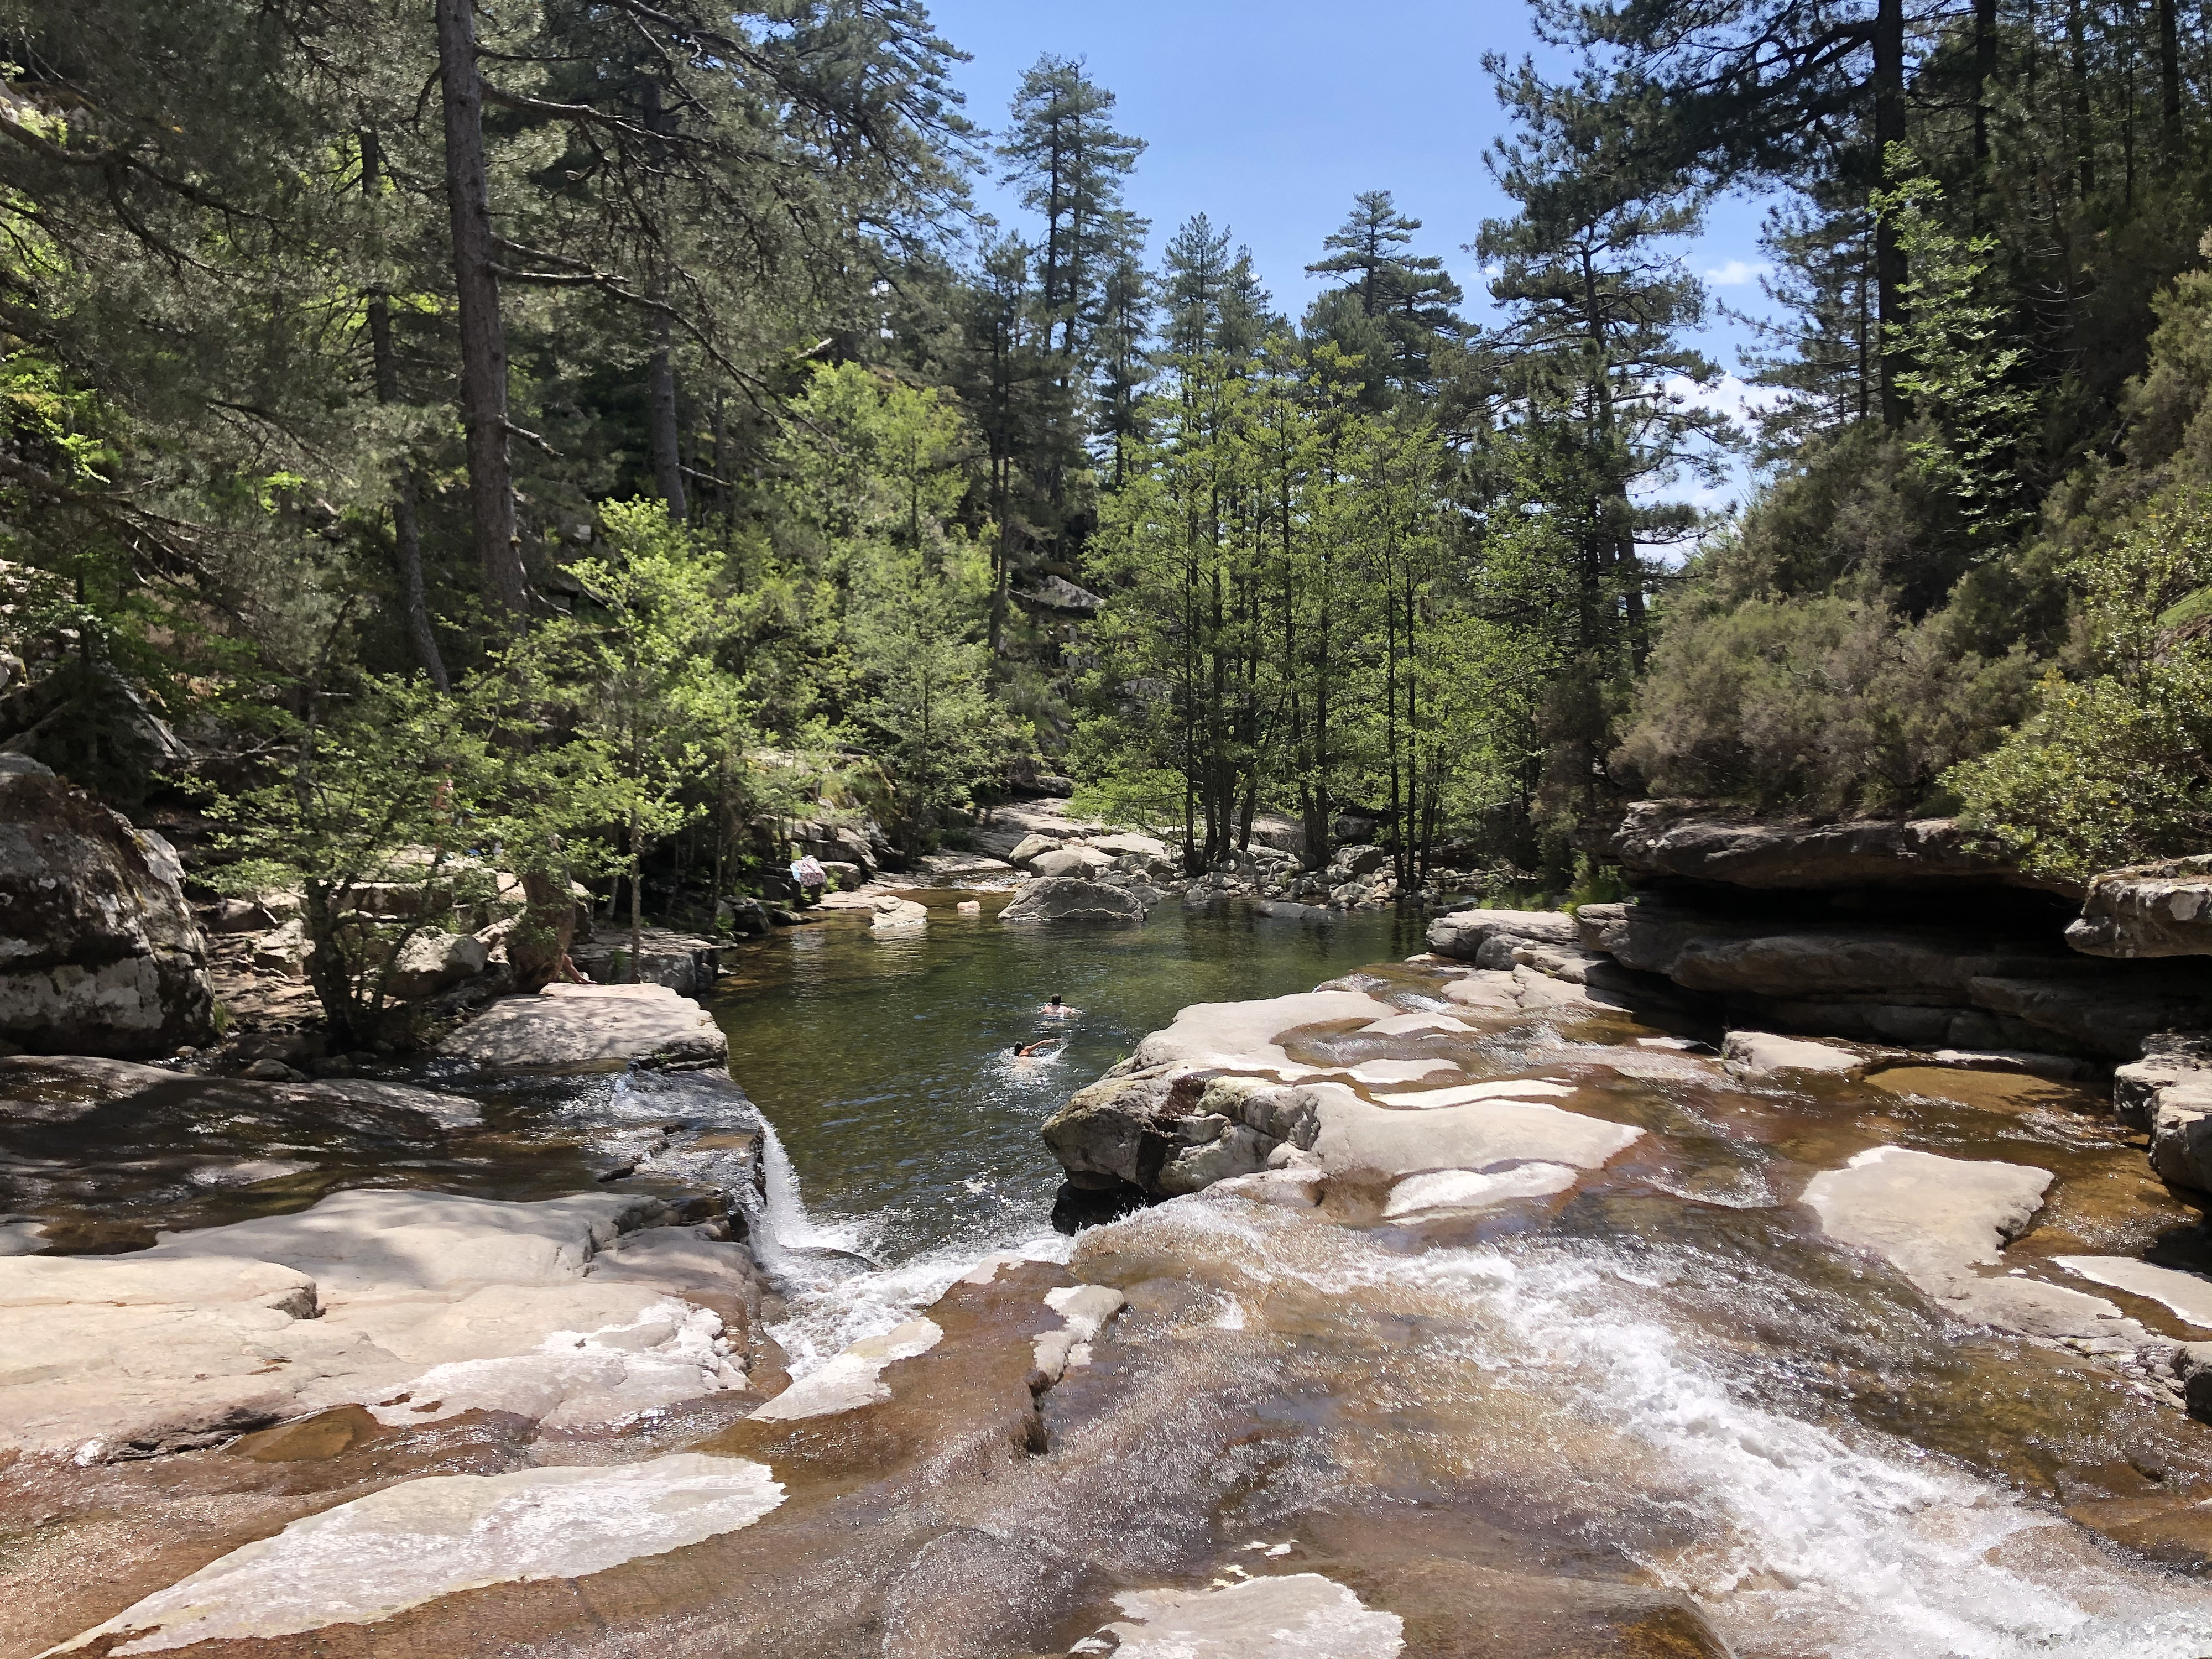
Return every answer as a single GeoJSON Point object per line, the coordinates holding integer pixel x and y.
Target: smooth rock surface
{"type": "Point", "coordinates": [2188, 1294]}
{"type": "Point", "coordinates": [854, 1378]}
{"type": "Point", "coordinates": [367, 1559]}
{"type": "Point", "coordinates": [1462, 934]}
{"type": "Point", "coordinates": [1233, 1033]}
{"type": "Point", "coordinates": [1078, 861]}
{"type": "Point", "coordinates": [1068, 898]}
{"type": "Point", "coordinates": [1761, 1054]}
{"type": "Point", "coordinates": [1354, 1136]}
{"type": "Point", "coordinates": [100, 954]}
{"type": "Point", "coordinates": [566, 1027]}
{"type": "Point", "coordinates": [1469, 1189]}
{"type": "Point", "coordinates": [419, 1305]}
{"type": "Point", "coordinates": [1296, 1616]}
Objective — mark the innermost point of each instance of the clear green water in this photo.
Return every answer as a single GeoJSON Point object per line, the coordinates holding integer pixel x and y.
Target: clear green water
{"type": "Point", "coordinates": [901, 1130]}
{"type": "Point", "coordinates": [882, 1060]}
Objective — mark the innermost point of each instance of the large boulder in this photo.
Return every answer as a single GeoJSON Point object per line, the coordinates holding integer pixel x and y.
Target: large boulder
{"type": "Point", "coordinates": [1079, 861]}
{"type": "Point", "coordinates": [98, 951]}
{"type": "Point", "coordinates": [2148, 911]}
{"type": "Point", "coordinates": [1068, 898]}
{"type": "Point", "coordinates": [1691, 841]}
{"type": "Point", "coordinates": [565, 1028]}
{"type": "Point", "coordinates": [428, 962]}
{"type": "Point", "coordinates": [1462, 934]}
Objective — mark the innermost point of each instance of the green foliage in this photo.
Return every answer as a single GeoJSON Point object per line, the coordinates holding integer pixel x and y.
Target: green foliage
{"type": "Point", "coordinates": [1959, 371]}
{"type": "Point", "coordinates": [2116, 767]}
{"type": "Point", "coordinates": [399, 808]}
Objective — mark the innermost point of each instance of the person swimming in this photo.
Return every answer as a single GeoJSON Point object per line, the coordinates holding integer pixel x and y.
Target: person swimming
{"type": "Point", "coordinates": [1058, 1010]}
{"type": "Point", "coordinates": [1035, 1050]}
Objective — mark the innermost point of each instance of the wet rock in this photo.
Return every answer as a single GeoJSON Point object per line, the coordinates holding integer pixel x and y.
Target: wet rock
{"type": "Point", "coordinates": [1937, 1219]}
{"type": "Point", "coordinates": [1167, 1130]}
{"type": "Point", "coordinates": [1232, 1034]}
{"type": "Point", "coordinates": [2148, 910]}
{"type": "Point", "coordinates": [1691, 841]}
{"type": "Point", "coordinates": [98, 951]}
{"type": "Point", "coordinates": [572, 1027]}
{"type": "Point", "coordinates": [1271, 1617]}
{"type": "Point", "coordinates": [2188, 1294]}
{"type": "Point", "coordinates": [1761, 1054]}
{"type": "Point", "coordinates": [893, 914]}
{"type": "Point", "coordinates": [1084, 1310]}
{"type": "Point", "coordinates": [1461, 1190]}
{"type": "Point", "coordinates": [1462, 934]}
{"type": "Point", "coordinates": [854, 1378]}
{"type": "Point", "coordinates": [444, 1533]}
{"type": "Point", "coordinates": [1066, 898]}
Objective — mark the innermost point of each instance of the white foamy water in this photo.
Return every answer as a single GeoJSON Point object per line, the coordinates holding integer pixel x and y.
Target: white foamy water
{"type": "Point", "coordinates": [1803, 1542]}
{"type": "Point", "coordinates": [836, 1292]}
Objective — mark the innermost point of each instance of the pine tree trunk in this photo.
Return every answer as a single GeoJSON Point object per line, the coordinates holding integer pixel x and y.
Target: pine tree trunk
{"type": "Point", "coordinates": [1888, 257]}
{"type": "Point", "coordinates": [660, 405]}
{"type": "Point", "coordinates": [406, 528]}
{"type": "Point", "coordinates": [2169, 77]}
{"type": "Point", "coordinates": [483, 335]}
{"type": "Point", "coordinates": [1985, 68]}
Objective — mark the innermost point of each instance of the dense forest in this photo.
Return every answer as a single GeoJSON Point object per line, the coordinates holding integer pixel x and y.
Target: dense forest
{"type": "Point", "coordinates": [600, 432]}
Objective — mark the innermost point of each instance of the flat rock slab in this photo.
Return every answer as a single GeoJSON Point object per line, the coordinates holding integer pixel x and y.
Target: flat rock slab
{"type": "Point", "coordinates": [1459, 1190]}
{"type": "Point", "coordinates": [1938, 1220]}
{"type": "Point", "coordinates": [853, 1378]}
{"type": "Point", "coordinates": [1298, 1616]}
{"type": "Point", "coordinates": [1233, 1033]}
{"type": "Point", "coordinates": [2188, 1294]}
{"type": "Point", "coordinates": [1479, 1136]}
{"type": "Point", "coordinates": [1761, 1054]}
{"type": "Point", "coordinates": [417, 1305]}
{"type": "Point", "coordinates": [572, 1027]}
{"type": "Point", "coordinates": [1929, 1216]}
{"type": "Point", "coordinates": [412, 1543]}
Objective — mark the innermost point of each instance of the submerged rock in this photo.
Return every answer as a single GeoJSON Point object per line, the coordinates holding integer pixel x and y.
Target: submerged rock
{"type": "Point", "coordinates": [1271, 1617]}
{"type": "Point", "coordinates": [99, 953]}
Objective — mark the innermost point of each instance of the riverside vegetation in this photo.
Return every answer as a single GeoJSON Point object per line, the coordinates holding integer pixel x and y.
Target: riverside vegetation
{"type": "Point", "coordinates": [638, 436]}
{"type": "Point", "coordinates": [482, 490]}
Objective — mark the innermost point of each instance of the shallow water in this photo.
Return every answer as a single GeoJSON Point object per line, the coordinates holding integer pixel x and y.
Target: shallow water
{"type": "Point", "coordinates": [1666, 1368]}
{"type": "Point", "coordinates": [905, 1132]}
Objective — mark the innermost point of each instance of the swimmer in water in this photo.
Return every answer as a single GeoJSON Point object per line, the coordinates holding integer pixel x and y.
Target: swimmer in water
{"type": "Point", "coordinates": [1033, 1051]}
{"type": "Point", "coordinates": [1058, 1010]}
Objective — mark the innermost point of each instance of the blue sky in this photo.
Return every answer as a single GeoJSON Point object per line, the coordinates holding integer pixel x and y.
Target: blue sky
{"type": "Point", "coordinates": [1269, 118]}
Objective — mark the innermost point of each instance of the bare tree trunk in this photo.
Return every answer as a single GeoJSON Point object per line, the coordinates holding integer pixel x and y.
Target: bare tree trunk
{"type": "Point", "coordinates": [2169, 76]}
{"type": "Point", "coordinates": [483, 335]}
{"type": "Point", "coordinates": [636, 899]}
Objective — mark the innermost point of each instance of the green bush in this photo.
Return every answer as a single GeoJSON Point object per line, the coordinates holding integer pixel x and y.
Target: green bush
{"type": "Point", "coordinates": [1826, 702]}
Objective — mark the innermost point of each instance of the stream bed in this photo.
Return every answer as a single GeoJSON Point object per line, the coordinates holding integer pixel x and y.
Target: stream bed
{"type": "Point", "coordinates": [1664, 1371]}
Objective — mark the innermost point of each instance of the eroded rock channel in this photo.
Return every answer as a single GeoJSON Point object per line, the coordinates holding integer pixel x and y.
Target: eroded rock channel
{"type": "Point", "coordinates": [1496, 1303]}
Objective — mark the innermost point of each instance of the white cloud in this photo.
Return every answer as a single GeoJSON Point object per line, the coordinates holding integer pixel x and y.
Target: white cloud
{"type": "Point", "coordinates": [1737, 273]}
{"type": "Point", "coordinates": [1736, 398]}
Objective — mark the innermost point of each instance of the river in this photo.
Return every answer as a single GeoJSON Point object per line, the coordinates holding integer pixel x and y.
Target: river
{"type": "Point", "coordinates": [1666, 1370]}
